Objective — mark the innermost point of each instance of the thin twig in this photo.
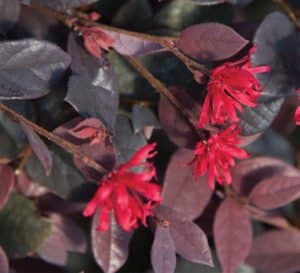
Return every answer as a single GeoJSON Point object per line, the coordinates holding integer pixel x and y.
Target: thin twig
{"type": "Point", "coordinates": [66, 145]}
{"type": "Point", "coordinates": [190, 63]}
{"type": "Point", "coordinates": [25, 154]}
{"type": "Point", "coordinates": [163, 90]}
{"type": "Point", "coordinates": [289, 11]}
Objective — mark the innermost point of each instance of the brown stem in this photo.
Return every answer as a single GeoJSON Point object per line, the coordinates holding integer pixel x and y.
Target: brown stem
{"type": "Point", "coordinates": [163, 90]}
{"type": "Point", "coordinates": [66, 145]}
{"type": "Point", "coordinates": [25, 154]}
{"type": "Point", "coordinates": [289, 11]}
{"type": "Point", "coordinates": [190, 63]}
{"type": "Point", "coordinates": [164, 41]}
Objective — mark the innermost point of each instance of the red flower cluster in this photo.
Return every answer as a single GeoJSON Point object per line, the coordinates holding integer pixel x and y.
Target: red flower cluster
{"type": "Point", "coordinates": [232, 85]}
{"type": "Point", "coordinates": [216, 155]}
{"type": "Point", "coordinates": [95, 39]}
{"type": "Point", "coordinates": [125, 191]}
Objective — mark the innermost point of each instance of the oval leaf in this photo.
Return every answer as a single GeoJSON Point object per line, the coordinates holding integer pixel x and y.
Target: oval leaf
{"type": "Point", "coordinates": [248, 173]}
{"type": "Point", "coordinates": [233, 235]}
{"type": "Point", "coordinates": [6, 184]}
{"type": "Point", "coordinates": [189, 239]}
{"type": "Point", "coordinates": [62, 4]}
{"type": "Point", "coordinates": [9, 13]}
{"type": "Point", "coordinates": [30, 68]}
{"type": "Point", "coordinates": [22, 230]}
{"type": "Point", "coordinates": [163, 257]}
{"type": "Point", "coordinates": [180, 190]}
{"type": "Point", "coordinates": [65, 236]}
{"type": "Point", "coordinates": [110, 248]}
{"type": "Point", "coordinates": [275, 192]}
{"type": "Point", "coordinates": [4, 264]}
{"type": "Point", "coordinates": [276, 251]}
{"type": "Point", "coordinates": [277, 42]}
{"type": "Point", "coordinates": [129, 45]}
{"type": "Point", "coordinates": [210, 42]}
{"type": "Point", "coordinates": [179, 130]}
{"type": "Point", "coordinates": [39, 148]}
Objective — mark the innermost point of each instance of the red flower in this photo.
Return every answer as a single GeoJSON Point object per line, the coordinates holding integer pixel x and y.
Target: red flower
{"type": "Point", "coordinates": [125, 192]}
{"type": "Point", "coordinates": [216, 156]}
{"type": "Point", "coordinates": [95, 39]}
{"type": "Point", "coordinates": [297, 112]}
{"type": "Point", "coordinates": [297, 116]}
{"type": "Point", "coordinates": [232, 85]}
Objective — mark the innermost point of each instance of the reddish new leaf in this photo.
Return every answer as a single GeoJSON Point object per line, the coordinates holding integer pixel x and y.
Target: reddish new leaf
{"type": "Point", "coordinates": [110, 248]}
{"type": "Point", "coordinates": [276, 251]}
{"type": "Point", "coordinates": [6, 183]}
{"type": "Point", "coordinates": [189, 239]}
{"type": "Point", "coordinates": [163, 257]}
{"type": "Point", "coordinates": [179, 130]}
{"type": "Point", "coordinates": [232, 235]}
{"type": "Point", "coordinates": [65, 236]}
{"type": "Point", "coordinates": [39, 148]}
{"type": "Point", "coordinates": [248, 173]}
{"type": "Point", "coordinates": [181, 191]}
{"type": "Point", "coordinates": [210, 42]}
{"type": "Point", "coordinates": [96, 145]}
{"type": "Point", "coordinates": [276, 192]}
{"type": "Point", "coordinates": [4, 265]}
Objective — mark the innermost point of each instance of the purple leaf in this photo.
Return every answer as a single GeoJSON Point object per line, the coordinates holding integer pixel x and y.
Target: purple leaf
{"type": "Point", "coordinates": [276, 251]}
{"type": "Point", "coordinates": [4, 264]}
{"type": "Point", "coordinates": [110, 248]}
{"type": "Point", "coordinates": [6, 184]}
{"type": "Point", "coordinates": [62, 4]}
{"type": "Point", "coordinates": [232, 234]}
{"type": "Point", "coordinates": [189, 239]}
{"type": "Point", "coordinates": [30, 68]}
{"type": "Point", "coordinates": [65, 236]}
{"type": "Point", "coordinates": [248, 173]}
{"type": "Point", "coordinates": [179, 130]}
{"type": "Point", "coordinates": [275, 192]}
{"type": "Point", "coordinates": [92, 88]}
{"type": "Point", "coordinates": [163, 257]}
{"type": "Point", "coordinates": [132, 46]}
{"type": "Point", "coordinates": [210, 42]}
{"type": "Point", "coordinates": [181, 191]}
{"type": "Point", "coordinates": [9, 13]}
{"type": "Point", "coordinates": [39, 148]}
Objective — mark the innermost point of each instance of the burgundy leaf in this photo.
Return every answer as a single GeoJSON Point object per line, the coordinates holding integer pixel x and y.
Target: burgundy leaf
{"type": "Point", "coordinates": [210, 42]}
{"type": "Point", "coordinates": [6, 184]}
{"type": "Point", "coordinates": [189, 239]}
{"type": "Point", "coordinates": [65, 236]}
{"type": "Point", "coordinates": [275, 192]}
{"type": "Point", "coordinates": [4, 264]}
{"type": "Point", "coordinates": [276, 251]}
{"type": "Point", "coordinates": [232, 234]}
{"type": "Point", "coordinates": [110, 248]}
{"type": "Point", "coordinates": [179, 130]}
{"type": "Point", "coordinates": [248, 173]}
{"type": "Point", "coordinates": [39, 148]}
{"type": "Point", "coordinates": [181, 191]}
{"type": "Point", "coordinates": [163, 257]}
{"type": "Point", "coordinates": [132, 46]}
